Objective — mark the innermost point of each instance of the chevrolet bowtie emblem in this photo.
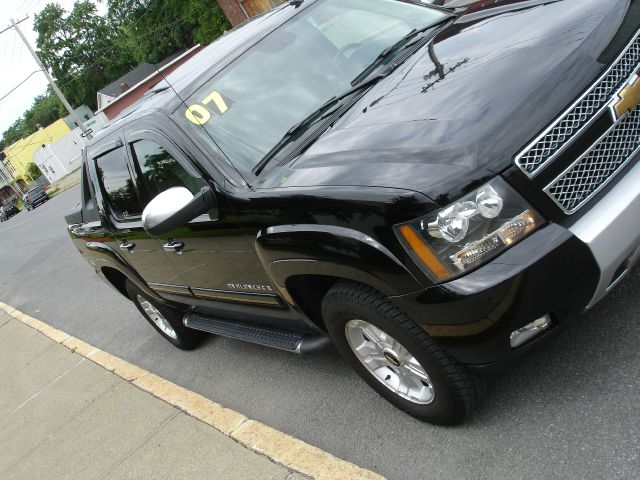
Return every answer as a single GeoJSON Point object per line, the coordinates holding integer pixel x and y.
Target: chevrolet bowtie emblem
{"type": "Point", "coordinates": [627, 99]}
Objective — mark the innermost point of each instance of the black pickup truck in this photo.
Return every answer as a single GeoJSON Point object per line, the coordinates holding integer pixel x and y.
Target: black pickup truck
{"type": "Point", "coordinates": [34, 197]}
{"type": "Point", "coordinates": [435, 189]}
{"type": "Point", "coordinates": [8, 210]}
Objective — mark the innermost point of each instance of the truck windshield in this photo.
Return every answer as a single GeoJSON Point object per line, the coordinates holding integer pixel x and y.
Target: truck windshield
{"type": "Point", "coordinates": [248, 107]}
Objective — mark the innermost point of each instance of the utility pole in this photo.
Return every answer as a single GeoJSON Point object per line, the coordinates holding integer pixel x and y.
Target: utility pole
{"type": "Point", "coordinates": [52, 82]}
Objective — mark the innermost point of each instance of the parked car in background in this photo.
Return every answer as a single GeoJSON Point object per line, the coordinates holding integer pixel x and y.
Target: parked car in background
{"type": "Point", "coordinates": [34, 197]}
{"type": "Point", "coordinates": [437, 191]}
{"type": "Point", "coordinates": [7, 211]}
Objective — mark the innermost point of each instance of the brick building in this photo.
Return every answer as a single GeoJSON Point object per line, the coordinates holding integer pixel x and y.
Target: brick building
{"type": "Point", "coordinates": [237, 11]}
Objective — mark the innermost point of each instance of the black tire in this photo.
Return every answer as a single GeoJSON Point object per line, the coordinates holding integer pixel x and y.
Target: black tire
{"type": "Point", "coordinates": [456, 390]}
{"type": "Point", "coordinates": [184, 338]}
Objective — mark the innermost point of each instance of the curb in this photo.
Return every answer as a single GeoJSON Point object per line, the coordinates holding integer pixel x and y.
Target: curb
{"type": "Point", "coordinates": [63, 189]}
{"type": "Point", "coordinates": [279, 447]}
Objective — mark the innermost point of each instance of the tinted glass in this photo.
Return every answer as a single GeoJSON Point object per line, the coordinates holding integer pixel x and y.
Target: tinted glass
{"type": "Point", "coordinates": [248, 107]}
{"type": "Point", "coordinates": [117, 184]}
{"type": "Point", "coordinates": [160, 171]}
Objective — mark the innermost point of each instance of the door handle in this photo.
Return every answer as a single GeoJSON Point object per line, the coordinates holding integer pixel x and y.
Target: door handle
{"type": "Point", "coordinates": [173, 246]}
{"type": "Point", "coordinates": [127, 245]}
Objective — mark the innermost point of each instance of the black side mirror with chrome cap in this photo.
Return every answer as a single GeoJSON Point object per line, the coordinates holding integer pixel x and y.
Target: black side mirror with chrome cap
{"type": "Point", "coordinates": [176, 207]}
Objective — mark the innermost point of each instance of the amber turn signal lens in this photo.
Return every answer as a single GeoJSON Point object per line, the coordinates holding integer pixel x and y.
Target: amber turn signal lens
{"type": "Point", "coordinates": [424, 253]}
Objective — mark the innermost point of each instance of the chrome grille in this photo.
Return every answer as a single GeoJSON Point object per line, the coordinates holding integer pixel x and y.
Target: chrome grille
{"type": "Point", "coordinates": [552, 141]}
{"type": "Point", "coordinates": [593, 170]}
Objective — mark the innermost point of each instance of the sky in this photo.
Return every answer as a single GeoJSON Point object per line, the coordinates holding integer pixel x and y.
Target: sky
{"type": "Point", "coordinates": [16, 63]}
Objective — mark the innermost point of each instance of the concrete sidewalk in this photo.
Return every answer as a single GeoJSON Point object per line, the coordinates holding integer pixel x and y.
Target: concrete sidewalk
{"type": "Point", "coordinates": [65, 183]}
{"type": "Point", "coordinates": [62, 416]}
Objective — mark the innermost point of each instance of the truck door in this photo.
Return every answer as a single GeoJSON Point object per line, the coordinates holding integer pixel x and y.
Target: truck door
{"type": "Point", "coordinates": [121, 209]}
{"type": "Point", "coordinates": [209, 256]}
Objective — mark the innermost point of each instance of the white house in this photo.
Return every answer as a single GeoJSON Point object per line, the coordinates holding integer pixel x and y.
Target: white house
{"type": "Point", "coordinates": [63, 156]}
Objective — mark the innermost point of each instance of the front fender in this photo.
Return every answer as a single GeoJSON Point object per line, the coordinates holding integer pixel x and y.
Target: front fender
{"type": "Point", "coordinates": [291, 250]}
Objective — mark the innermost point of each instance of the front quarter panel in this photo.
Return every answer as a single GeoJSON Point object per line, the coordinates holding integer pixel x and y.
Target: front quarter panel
{"type": "Point", "coordinates": [346, 232]}
{"type": "Point", "coordinates": [291, 250]}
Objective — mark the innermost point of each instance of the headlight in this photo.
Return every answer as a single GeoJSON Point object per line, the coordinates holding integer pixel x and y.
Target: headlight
{"type": "Point", "coordinates": [470, 232]}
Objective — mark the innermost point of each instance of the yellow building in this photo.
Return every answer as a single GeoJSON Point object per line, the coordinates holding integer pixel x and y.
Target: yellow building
{"type": "Point", "coordinates": [20, 154]}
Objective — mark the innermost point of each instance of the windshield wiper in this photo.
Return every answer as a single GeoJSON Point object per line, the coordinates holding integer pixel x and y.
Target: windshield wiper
{"type": "Point", "coordinates": [330, 106]}
{"type": "Point", "coordinates": [405, 42]}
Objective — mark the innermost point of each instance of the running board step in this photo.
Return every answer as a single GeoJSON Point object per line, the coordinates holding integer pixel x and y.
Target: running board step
{"type": "Point", "coordinates": [260, 334]}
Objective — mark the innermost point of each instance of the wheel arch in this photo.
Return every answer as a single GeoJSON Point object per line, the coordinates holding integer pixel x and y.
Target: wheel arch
{"type": "Point", "coordinates": [307, 292]}
{"type": "Point", "coordinates": [304, 261]}
{"type": "Point", "coordinates": [115, 271]}
{"type": "Point", "coordinates": [116, 278]}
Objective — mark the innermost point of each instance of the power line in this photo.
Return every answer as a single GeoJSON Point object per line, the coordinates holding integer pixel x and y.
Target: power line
{"type": "Point", "coordinates": [37, 4]}
{"type": "Point", "coordinates": [114, 47]}
{"type": "Point", "coordinates": [19, 85]}
{"type": "Point", "coordinates": [137, 37]}
{"type": "Point", "coordinates": [28, 144]}
{"type": "Point", "coordinates": [9, 27]}
{"type": "Point", "coordinates": [71, 78]}
{"type": "Point", "coordinates": [109, 49]}
{"type": "Point", "coordinates": [29, 5]}
{"type": "Point", "coordinates": [147, 10]}
{"type": "Point", "coordinates": [20, 7]}
{"type": "Point", "coordinates": [24, 147]}
{"type": "Point", "coordinates": [52, 82]}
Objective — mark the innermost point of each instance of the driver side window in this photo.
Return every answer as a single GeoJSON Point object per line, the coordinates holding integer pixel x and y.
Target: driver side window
{"type": "Point", "coordinates": [159, 171]}
{"type": "Point", "coordinates": [117, 184]}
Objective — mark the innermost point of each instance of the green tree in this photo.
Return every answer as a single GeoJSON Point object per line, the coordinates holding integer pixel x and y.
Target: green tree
{"type": "Point", "coordinates": [208, 19]}
{"type": "Point", "coordinates": [46, 109]}
{"type": "Point", "coordinates": [33, 171]}
{"type": "Point", "coordinates": [83, 50]}
{"type": "Point", "coordinates": [154, 29]}
{"type": "Point", "coordinates": [12, 134]}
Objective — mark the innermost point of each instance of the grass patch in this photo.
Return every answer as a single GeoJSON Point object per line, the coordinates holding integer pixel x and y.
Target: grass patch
{"type": "Point", "coordinates": [53, 192]}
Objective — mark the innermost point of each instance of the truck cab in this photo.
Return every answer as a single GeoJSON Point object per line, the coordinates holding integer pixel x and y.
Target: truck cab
{"type": "Point", "coordinates": [437, 190]}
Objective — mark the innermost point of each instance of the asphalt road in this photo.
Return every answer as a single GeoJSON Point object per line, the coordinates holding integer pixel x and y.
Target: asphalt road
{"type": "Point", "coordinates": [571, 411]}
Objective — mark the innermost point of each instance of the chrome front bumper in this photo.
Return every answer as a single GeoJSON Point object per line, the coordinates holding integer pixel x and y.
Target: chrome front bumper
{"type": "Point", "coordinates": [611, 229]}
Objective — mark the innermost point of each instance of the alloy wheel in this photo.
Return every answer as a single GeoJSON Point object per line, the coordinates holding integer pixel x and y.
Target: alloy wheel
{"type": "Point", "coordinates": [389, 362]}
{"type": "Point", "coordinates": [156, 317]}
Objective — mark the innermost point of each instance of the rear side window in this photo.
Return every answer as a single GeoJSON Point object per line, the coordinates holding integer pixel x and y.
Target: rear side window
{"type": "Point", "coordinates": [159, 170]}
{"type": "Point", "coordinates": [119, 188]}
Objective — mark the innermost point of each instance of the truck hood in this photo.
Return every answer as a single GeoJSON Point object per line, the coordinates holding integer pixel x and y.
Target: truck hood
{"type": "Point", "coordinates": [457, 112]}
